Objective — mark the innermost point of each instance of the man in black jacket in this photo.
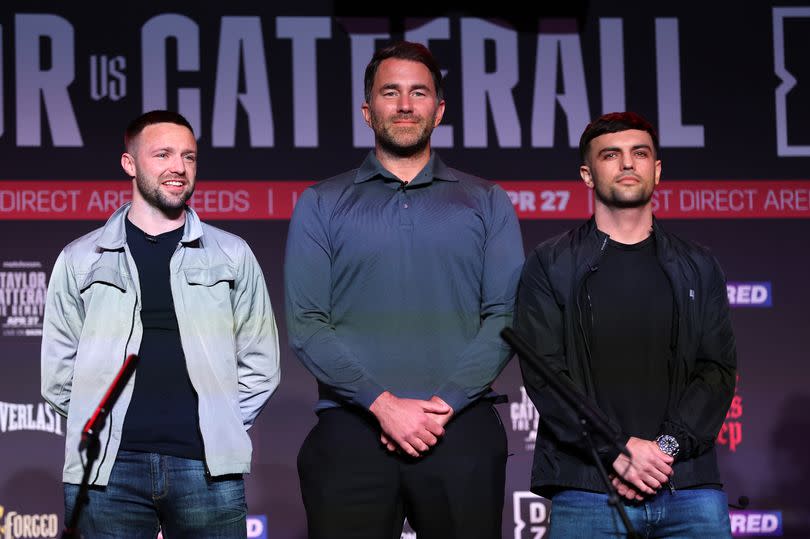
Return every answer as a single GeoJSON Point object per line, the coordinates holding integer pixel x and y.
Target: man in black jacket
{"type": "Point", "coordinates": [638, 319]}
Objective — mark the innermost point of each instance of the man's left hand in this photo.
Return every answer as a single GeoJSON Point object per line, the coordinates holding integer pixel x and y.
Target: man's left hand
{"type": "Point", "coordinates": [441, 419]}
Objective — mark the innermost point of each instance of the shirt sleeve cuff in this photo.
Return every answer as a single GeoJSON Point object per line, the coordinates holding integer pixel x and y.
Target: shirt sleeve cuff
{"type": "Point", "coordinates": [612, 452]}
{"type": "Point", "coordinates": [367, 393]}
{"type": "Point", "coordinates": [455, 396]}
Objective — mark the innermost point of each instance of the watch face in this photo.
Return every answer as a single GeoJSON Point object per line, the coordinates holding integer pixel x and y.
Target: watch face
{"type": "Point", "coordinates": [668, 444]}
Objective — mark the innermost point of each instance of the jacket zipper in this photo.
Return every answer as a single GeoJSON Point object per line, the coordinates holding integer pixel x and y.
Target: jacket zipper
{"type": "Point", "coordinates": [582, 283]}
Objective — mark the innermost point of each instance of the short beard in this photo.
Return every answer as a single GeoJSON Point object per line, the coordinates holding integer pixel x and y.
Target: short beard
{"type": "Point", "coordinates": [388, 142]}
{"type": "Point", "coordinates": [613, 199]}
{"type": "Point", "coordinates": [615, 202]}
{"type": "Point", "coordinates": [160, 201]}
{"type": "Point", "coordinates": [391, 146]}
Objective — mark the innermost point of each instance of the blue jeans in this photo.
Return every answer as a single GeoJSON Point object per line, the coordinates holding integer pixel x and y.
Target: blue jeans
{"type": "Point", "coordinates": [148, 492]}
{"type": "Point", "coordinates": [688, 513]}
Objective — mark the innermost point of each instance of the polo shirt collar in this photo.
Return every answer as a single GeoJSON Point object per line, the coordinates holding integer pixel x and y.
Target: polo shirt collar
{"type": "Point", "coordinates": [435, 168]}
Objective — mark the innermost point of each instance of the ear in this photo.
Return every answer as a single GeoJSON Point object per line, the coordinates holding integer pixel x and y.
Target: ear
{"type": "Point", "coordinates": [585, 174]}
{"type": "Point", "coordinates": [657, 171]}
{"type": "Point", "coordinates": [439, 113]}
{"type": "Point", "coordinates": [128, 164]}
{"type": "Point", "coordinates": [366, 113]}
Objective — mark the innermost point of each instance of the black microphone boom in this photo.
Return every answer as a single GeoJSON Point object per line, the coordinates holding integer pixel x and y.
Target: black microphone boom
{"type": "Point", "coordinates": [90, 442]}
{"type": "Point", "coordinates": [589, 417]}
{"type": "Point", "coordinates": [567, 390]}
{"type": "Point", "coordinates": [96, 421]}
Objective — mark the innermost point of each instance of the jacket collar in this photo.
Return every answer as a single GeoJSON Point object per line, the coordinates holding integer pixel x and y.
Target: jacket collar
{"type": "Point", "coordinates": [114, 233]}
{"type": "Point", "coordinates": [595, 241]}
{"type": "Point", "coordinates": [662, 241]}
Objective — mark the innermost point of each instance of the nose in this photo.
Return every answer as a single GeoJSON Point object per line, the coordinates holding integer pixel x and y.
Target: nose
{"type": "Point", "coordinates": [404, 103]}
{"type": "Point", "coordinates": [627, 161]}
{"type": "Point", "coordinates": [178, 165]}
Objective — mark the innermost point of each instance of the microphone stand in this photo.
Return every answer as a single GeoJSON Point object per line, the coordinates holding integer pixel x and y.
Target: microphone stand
{"type": "Point", "coordinates": [91, 444]}
{"type": "Point", "coordinates": [590, 418]}
{"type": "Point", "coordinates": [71, 530]}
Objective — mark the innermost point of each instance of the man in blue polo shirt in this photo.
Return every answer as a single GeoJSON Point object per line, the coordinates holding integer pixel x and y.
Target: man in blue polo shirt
{"type": "Point", "coordinates": [399, 278]}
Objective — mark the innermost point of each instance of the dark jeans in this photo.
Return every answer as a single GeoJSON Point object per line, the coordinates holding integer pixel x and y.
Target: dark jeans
{"type": "Point", "coordinates": [148, 492]}
{"type": "Point", "coordinates": [354, 488]}
{"type": "Point", "coordinates": [687, 514]}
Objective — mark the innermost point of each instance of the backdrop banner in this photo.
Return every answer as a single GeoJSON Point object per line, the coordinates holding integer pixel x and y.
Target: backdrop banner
{"type": "Point", "coordinates": [275, 103]}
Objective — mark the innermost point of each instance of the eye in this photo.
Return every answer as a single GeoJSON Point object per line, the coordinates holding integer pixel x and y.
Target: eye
{"type": "Point", "coordinates": [609, 155]}
{"type": "Point", "coordinates": [162, 155]}
{"type": "Point", "coordinates": [641, 153]}
{"type": "Point", "coordinates": [190, 157]}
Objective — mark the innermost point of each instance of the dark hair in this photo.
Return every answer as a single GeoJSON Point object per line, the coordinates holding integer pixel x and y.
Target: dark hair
{"type": "Point", "coordinates": [615, 122]}
{"type": "Point", "coordinates": [405, 50]}
{"type": "Point", "coordinates": [150, 118]}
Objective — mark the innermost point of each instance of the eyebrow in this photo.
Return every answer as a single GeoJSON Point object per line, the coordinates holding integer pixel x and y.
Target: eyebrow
{"type": "Point", "coordinates": [617, 149]}
{"type": "Point", "coordinates": [169, 149]}
{"type": "Point", "coordinates": [395, 86]}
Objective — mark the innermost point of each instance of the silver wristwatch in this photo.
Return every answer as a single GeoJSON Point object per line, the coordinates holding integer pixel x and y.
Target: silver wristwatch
{"type": "Point", "coordinates": [668, 444]}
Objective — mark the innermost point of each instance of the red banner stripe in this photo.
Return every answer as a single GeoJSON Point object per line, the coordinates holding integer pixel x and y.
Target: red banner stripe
{"type": "Point", "coordinates": [261, 200]}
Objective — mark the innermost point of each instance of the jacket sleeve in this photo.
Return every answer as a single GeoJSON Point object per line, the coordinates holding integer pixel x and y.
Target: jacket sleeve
{"type": "Point", "coordinates": [539, 320]}
{"type": "Point", "coordinates": [701, 410]}
{"type": "Point", "coordinates": [308, 278]}
{"type": "Point", "coordinates": [256, 339]}
{"type": "Point", "coordinates": [61, 329]}
{"type": "Point", "coordinates": [487, 354]}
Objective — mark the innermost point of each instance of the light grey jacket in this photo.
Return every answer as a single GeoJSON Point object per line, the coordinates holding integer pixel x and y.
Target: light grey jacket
{"type": "Point", "coordinates": [227, 329]}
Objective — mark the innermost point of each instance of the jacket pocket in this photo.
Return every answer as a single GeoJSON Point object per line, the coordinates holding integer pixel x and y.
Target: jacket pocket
{"type": "Point", "coordinates": [103, 274]}
{"type": "Point", "coordinates": [210, 276]}
{"type": "Point", "coordinates": [203, 302]}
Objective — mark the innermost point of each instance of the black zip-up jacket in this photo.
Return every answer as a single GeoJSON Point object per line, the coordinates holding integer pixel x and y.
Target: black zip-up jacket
{"type": "Point", "coordinates": [553, 316]}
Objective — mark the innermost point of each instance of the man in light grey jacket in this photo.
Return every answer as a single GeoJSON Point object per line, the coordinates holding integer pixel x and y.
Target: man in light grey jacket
{"type": "Point", "coordinates": [191, 301]}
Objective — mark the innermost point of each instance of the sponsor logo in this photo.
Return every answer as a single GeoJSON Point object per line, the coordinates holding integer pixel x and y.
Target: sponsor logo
{"type": "Point", "coordinates": [22, 298]}
{"type": "Point", "coordinates": [14, 525]}
{"type": "Point", "coordinates": [731, 433]}
{"type": "Point", "coordinates": [525, 418]}
{"type": "Point", "coordinates": [33, 417]}
{"type": "Point", "coordinates": [755, 523]}
{"type": "Point", "coordinates": [256, 527]}
{"type": "Point", "coordinates": [742, 294]}
{"type": "Point", "coordinates": [531, 515]}
{"type": "Point", "coordinates": [786, 67]}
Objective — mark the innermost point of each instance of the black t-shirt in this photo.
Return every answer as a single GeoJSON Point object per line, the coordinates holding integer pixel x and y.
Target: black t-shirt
{"type": "Point", "coordinates": [162, 416]}
{"type": "Point", "coordinates": [631, 335]}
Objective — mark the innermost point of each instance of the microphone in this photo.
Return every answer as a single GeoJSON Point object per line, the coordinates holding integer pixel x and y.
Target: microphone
{"type": "Point", "coordinates": [742, 503]}
{"type": "Point", "coordinates": [567, 390]}
{"type": "Point", "coordinates": [96, 422]}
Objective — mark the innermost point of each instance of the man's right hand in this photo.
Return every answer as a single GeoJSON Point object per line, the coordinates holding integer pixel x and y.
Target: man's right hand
{"type": "Point", "coordinates": [624, 489]}
{"type": "Point", "coordinates": [407, 422]}
{"type": "Point", "coordinates": [648, 471]}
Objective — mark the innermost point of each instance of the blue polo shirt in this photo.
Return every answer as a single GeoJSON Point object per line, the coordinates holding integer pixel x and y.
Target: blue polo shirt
{"type": "Point", "coordinates": [401, 286]}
